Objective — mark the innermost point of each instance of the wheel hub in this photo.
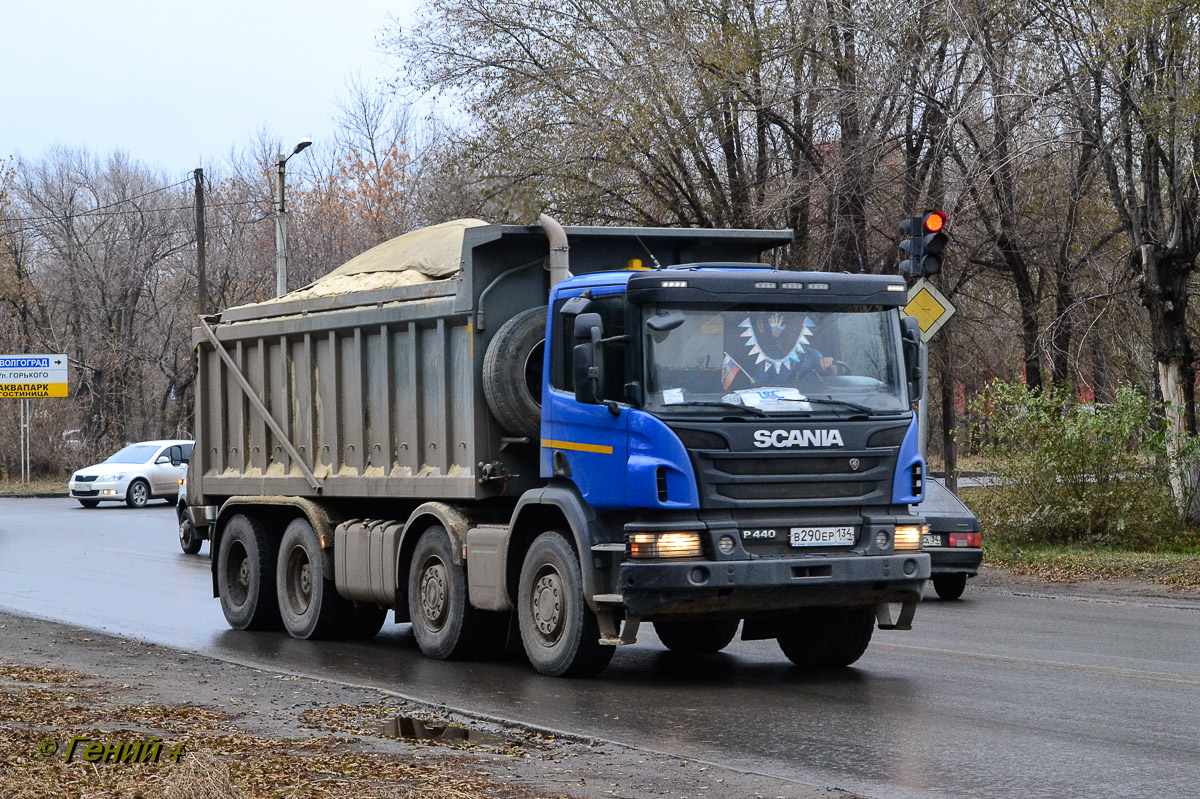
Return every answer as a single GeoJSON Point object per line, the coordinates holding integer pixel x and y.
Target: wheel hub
{"type": "Point", "coordinates": [547, 605]}
{"type": "Point", "coordinates": [299, 582]}
{"type": "Point", "coordinates": [434, 594]}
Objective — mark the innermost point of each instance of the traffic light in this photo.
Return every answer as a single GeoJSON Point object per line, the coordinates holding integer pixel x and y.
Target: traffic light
{"type": "Point", "coordinates": [922, 242]}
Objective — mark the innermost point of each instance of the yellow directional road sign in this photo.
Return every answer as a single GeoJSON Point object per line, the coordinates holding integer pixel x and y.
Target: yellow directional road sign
{"type": "Point", "coordinates": [29, 376]}
{"type": "Point", "coordinates": [929, 307]}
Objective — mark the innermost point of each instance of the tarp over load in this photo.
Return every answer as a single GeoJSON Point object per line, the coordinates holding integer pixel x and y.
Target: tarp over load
{"type": "Point", "coordinates": [423, 255]}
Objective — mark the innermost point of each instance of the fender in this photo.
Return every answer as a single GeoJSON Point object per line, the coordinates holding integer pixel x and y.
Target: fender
{"type": "Point", "coordinates": [451, 518]}
{"type": "Point", "coordinates": [582, 520]}
{"type": "Point", "coordinates": [317, 516]}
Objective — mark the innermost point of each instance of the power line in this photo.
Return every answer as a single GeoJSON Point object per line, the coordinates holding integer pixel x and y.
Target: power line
{"type": "Point", "coordinates": [92, 211]}
{"type": "Point", "coordinates": [51, 220]}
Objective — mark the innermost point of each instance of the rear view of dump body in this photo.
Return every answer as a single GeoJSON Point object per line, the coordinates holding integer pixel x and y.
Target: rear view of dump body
{"type": "Point", "coordinates": [403, 435]}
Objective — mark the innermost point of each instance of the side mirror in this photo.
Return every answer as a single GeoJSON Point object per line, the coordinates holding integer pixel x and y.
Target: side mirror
{"type": "Point", "coordinates": [589, 358]}
{"type": "Point", "coordinates": [915, 357]}
{"type": "Point", "coordinates": [161, 459]}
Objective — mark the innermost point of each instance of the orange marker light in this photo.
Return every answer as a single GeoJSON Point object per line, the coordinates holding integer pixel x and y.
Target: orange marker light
{"type": "Point", "coordinates": [934, 221]}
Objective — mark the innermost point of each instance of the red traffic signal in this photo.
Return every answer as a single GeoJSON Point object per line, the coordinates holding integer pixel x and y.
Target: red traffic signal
{"type": "Point", "coordinates": [922, 242]}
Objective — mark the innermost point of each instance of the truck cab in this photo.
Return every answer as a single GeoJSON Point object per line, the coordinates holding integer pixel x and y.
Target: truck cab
{"type": "Point", "coordinates": [745, 436]}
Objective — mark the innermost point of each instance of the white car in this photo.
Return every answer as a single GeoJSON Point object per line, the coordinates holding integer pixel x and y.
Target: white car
{"type": "Point", "coordinates": [134, 475]}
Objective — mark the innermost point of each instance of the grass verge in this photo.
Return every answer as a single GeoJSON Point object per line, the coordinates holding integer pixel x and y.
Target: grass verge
{"type": "Point", "coordinates": [37, 485]}
{"type": "Point", "coordinates": [1180, 570]}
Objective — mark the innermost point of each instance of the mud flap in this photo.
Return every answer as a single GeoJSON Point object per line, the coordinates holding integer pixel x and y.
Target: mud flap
{"type": "Point", "coordinates": [883, 614]}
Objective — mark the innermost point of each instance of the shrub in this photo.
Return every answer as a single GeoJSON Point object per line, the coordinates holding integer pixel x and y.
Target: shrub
{"type": "Point", "coordinates": [1071, 472]}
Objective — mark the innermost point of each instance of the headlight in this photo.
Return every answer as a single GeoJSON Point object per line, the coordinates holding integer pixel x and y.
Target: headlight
{"type": "Point", "coordinates": [111, 476]}
{"type": "Point", "coordinates": [909, 536]}
{"type": "Point", "coordinates": [665, 545]}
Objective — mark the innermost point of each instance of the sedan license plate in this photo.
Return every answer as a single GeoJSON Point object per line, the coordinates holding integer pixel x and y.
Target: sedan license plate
{"type": "Point", "coordinates": [822, 536]}
{"type": "Point", "coordinates": [931, 540]}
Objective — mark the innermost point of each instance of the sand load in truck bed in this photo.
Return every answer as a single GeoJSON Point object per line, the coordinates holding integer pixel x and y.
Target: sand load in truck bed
{"type": "Point", "coordinates": [432, 253]}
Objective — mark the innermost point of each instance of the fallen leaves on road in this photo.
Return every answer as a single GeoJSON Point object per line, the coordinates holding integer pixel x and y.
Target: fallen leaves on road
{"type": "Point", "coordinates": [221, 762]}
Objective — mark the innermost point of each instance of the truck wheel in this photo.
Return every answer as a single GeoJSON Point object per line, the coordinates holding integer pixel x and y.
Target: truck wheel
{"type": "Point", "coordinates": [364, 622]}
{"type": "Point", "coordinates": [138, 494]}
{"type": "Point", "coordinates": [696, 637]}
{"type": "Point", "coordinates": [512, 373]}
{"type": "Point", "coordinates": [309, 603]}
{"type": "Point", "coordinates": [827, 637]}
{"type": "Point", "coordinates": [443, 621]}
{"type": "Point", "coordinates": [559, 631]}
{"type": "Point", "coordinates": [189, 536]}
{"type": "Point", "coordinates": [89, 503]}
{"type": "Point", "coordinates": [246, 574]}
{"type": "Point", "coordinates": [949, 586]}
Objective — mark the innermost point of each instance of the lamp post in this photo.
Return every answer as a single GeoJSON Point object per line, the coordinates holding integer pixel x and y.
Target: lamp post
{"type": "Point", "coordinates": [281, 221]}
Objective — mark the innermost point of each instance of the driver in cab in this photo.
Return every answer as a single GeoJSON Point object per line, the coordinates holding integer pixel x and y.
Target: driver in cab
{"type": "Point", "coordinates": [772, 349]}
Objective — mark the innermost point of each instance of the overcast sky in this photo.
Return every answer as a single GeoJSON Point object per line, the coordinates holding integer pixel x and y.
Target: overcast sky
{"type": "Point", "coordinates": [176, 85]}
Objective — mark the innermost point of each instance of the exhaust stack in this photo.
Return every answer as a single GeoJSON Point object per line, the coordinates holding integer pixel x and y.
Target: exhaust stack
{"type": "Point", "coordinates": [559, 261]}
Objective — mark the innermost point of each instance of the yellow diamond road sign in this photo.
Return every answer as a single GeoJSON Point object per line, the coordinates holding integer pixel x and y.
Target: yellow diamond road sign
{"type": "Point", "coordinates": [929, 307]}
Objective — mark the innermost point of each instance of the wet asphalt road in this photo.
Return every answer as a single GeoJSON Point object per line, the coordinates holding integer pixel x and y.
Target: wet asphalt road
{"type": "Point", "coordinates": [995, 696]}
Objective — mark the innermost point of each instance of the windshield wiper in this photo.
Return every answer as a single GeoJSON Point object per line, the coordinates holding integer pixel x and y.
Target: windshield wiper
{"type": "Point", "coordinates": [721, 403]}
{"type": "Point", "coordinates": [847, 403]}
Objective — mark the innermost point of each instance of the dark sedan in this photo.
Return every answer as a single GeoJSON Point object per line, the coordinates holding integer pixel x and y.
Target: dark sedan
{"type": "Point", "coordinates": [953, 542]}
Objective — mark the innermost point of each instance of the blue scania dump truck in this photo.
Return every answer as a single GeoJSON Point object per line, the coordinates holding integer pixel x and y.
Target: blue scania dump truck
{"type": "Point", "coordinates": [549, 436]}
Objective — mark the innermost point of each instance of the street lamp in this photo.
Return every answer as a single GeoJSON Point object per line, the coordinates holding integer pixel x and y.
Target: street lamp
{"type": "Point", "coordinates": [281, 222]}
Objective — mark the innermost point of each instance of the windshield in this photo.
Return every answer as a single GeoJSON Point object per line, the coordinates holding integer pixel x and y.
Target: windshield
{"type": "Point", "coordinates": [764, 360]}
{"type": "Point", "coordinates": [134, 453]}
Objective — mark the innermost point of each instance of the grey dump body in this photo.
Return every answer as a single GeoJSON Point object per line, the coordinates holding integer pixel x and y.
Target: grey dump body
{"type": "Point", "coordinates": [379, 392]}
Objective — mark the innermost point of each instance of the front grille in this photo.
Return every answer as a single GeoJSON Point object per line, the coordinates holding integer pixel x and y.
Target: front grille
{"type": "Point", "coordinates": [767, 480]}
{"type": "Point", "coordinates": [80, 478]}
{"type": "Point", "coordinates": [776, 466]}
{"type": "Point", "coordinates": [797, 491]}
{"type": "Point", "coordinates": [85, 492]}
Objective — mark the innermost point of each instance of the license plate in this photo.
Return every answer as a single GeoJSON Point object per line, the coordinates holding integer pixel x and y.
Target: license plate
{"type": "Point", "coordinates": [822, 536]}
{"type": "Point", "coordinates": [931, 541]}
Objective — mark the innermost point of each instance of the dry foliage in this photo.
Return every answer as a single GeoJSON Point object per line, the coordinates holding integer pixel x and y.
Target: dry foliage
{"type": "Point", "coordinates": [220, 762]}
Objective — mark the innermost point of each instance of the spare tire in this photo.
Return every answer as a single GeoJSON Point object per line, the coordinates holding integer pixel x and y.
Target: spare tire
{"type": "Point", "coordinates": [512, 373]}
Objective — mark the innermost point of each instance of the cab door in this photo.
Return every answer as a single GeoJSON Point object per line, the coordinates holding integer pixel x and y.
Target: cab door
{"type": "Point", "coordinates": [588, 444]}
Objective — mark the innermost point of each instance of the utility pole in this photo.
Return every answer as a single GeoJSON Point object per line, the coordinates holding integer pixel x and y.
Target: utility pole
{"type": "Point", "coordinates": [281, 220]}
{"type": "Point", "coordinates": [201, 276]}
{"type": "Point", "coordinates": [280, 230]}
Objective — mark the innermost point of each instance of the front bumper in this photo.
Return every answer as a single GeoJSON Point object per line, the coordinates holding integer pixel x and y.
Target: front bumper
{"type": "Point", "coordinates": [109, 491]}
{"type": "Point", "coordinates": [954, 560]}
{"type": "Point", "coordinates": [770, 584]}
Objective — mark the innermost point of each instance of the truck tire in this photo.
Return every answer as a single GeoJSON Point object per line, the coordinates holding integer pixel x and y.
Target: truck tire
{"type": "Point", "coordinates": [512, 373]}
{"type": "Point", "coordinates": [246, 574]}
{"type": "Point", "coordinates": [189, 537]}
{"type": "Point", "coordinates": [559, 631]}
{"type": "Point", "coordinates": [443, 622]}
{"type": "Point", "coordinates": [701, 637]}
{"type": "Point", "coordinates": [309, 604]}
{"type": "Point", "coordinates": [950, 586]}
{"type": "Point", "coordinates": [827, 637]}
